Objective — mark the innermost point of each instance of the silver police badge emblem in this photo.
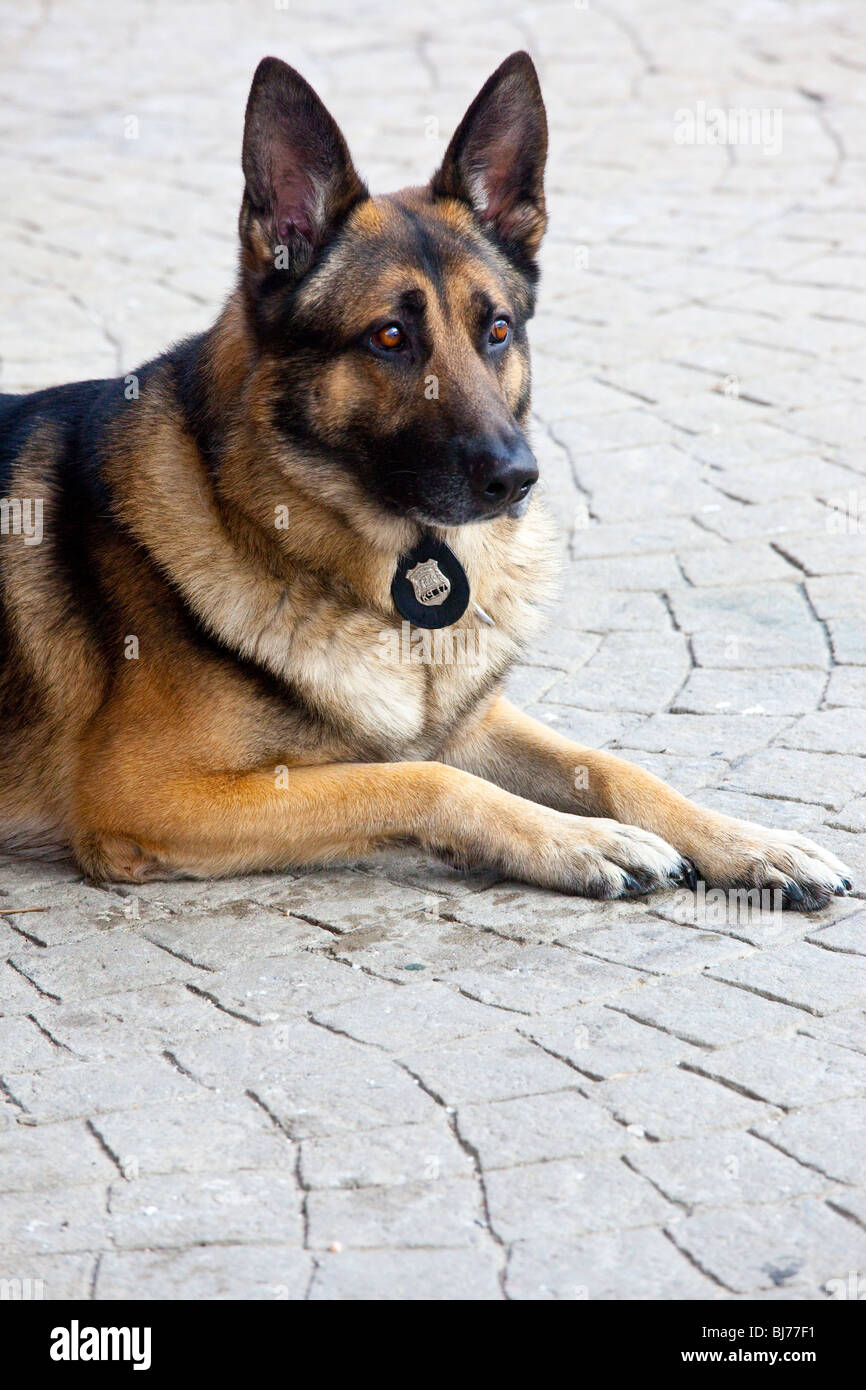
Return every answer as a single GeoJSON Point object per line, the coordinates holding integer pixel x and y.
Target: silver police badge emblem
{"type": "Point", "coordinates": [431, 586]}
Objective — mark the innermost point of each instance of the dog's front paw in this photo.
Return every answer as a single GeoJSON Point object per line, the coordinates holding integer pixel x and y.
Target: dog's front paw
{"type": "Point", "coordinates": [738, 854]}
{"type": "Point", "coordinates": [600, 858]}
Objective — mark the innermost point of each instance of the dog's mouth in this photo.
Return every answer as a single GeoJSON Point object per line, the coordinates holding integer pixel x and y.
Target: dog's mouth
{"type": "Point", "coordinates": [463, 515]}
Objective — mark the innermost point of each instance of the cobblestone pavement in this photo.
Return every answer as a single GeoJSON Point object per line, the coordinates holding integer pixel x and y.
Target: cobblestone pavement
{"type": "Point", "coordinates": [390, 1081]}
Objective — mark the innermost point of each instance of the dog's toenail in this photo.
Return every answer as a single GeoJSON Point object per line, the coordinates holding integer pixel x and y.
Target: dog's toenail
{"type": "Point", "coordinates": [846, 883]}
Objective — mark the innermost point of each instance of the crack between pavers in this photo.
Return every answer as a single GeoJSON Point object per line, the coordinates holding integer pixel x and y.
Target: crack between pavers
{"type": "Point", "coordinates": [27, 936]}
{"type": "Point", "coordinates": [43, 993]}
{"type": "Point", "coordinates": [765, 994]}
{"type": "Point", "coordinates": [835, 950]}
{"type": "Point", "coordinates": [272, 1116]}
{"type": "Point", "coordinates": [55, 1042]}
{"type": "Point", "coordinates": [803, 1162]}
{"type": "Point", "coordinates": [178, 955]}
{"type": "Point", "coordinates": [184, 1071]}
{"type": "Point", "coordinates": [477, 999]}
{"type": "Point", "coordinates": [734, 1086]}
{"type": "Point", "coordinates": [329, 953]}
{"type": "Point", "coordinates": [341, 1033]}
{"type": "Point", "coordinates": [106, 1148]}
{"type": "Point", "coordinates": [848, 1215]}
{"type": "Point", "coordinates": [10, 1096]}
{"type": "Point", "coordinates": [696, 1264]}
{"type": "Point", "coordinates": [687, 1207]}
{"type": "Point", "coordinates": [660, 1028]}
{"type": "Point", "coordinates": [561, 1057]}
{"type": "Point", "coordinates": [223, 1008]}
{"type": "Point", "coordinates": [451, 1118]}
{"type": "Point", "coordinates": [825, 631]}
{"type": "Point", "coordinates": [94, 1276]}
{"type": "Point", "coordinates": [308, 1291]}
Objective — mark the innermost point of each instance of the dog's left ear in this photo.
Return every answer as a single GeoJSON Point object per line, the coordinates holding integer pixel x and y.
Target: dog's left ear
{"type": "Point", "coordinates": [495, 161]}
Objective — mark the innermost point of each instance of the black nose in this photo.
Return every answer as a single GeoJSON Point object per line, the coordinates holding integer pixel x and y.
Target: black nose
{"type": "Point", "coordinates": [501, 474]}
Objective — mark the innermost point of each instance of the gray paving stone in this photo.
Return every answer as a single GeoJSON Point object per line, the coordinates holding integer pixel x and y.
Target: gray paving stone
{"type": "Point", "coordinates": [773, 692]}
{"type": "Point", "coordinates": [249, 1056]}
{"type": "Point", "coordinates": [81, 1089]}
{"type": "Point", "coordinates": [39, 1159]}
{"type": "Point", "coordinates": [118, 1025]}
{"type": "Point", "coordinates": [749, 562]}
{"type": "Point", "coordinates": [706, 735]}
{"type": "Point", "coordinates": [54, 1278]}
{"type": "Point", "coordinates": [192, 1136]}
{"type": "Point", "coordinates": [24, 1048]}
{"type": "Point", "coordinates": [569, 1198]}
{"type": "Point", "coordinates": [724, 1170]}
{"type": "Point", "coordinates": [211, 942]}
{"type": "Point", "coordinates": [62, 1220]}
{"type": "Point", "coordinates": [674, 1104]}
{"type": "Point", "coordinates": [18, 995]}
{"type": "Point", "coordinates": [787, 1071]}
{"type": "Point", "coordinates": [604, 610]}
{"type": "Point", "coordinates": [384, 1157]}
{"type": "Point", "coordinates": [211, 1272]}
{"type": "Point", "coordinates": [178, 1211]}
{"type": "Point", "coordinates": [407, 1276]}
{"type": "Point", "coordinates": [344, 899]}
{"type": "Point", "coordinates": [600, 1042]}
{"type": "Point", "coordinates": [71, 912]}
{"type": "Point", "coordinates": [446, 1212]}
{"type": "Point", "coordinates": [846, 687]}
{"type": "Point", "coordinates": [851, 817]}
{"type": "Point", "coordinates": [620, 1265]}
{"type": "Point", "coordinates": [541, 979]}
{"type": "Point", "coordinates": [266, 989]}
{"type": "Point", "coordinates": [530, 1129]}
{"type": "Point", "coordinates": [803, 975]}
{"type": "Point", "coordinates": [660, 948]}
{"type": "Point", "coordinates": [103, 965]}
{"type": "Point", "coordinates": [349, 1099]}
{"type": "Point", "coordinates": [826, 554]}
{"type": "Point", "coordinates": [419, 870]}
{"type": "Point", "coordinates": [766, 810]}
{"type": "Point", "coordinates": [847, 935]}
{"type": "Point", "coordinates": [703, 1011]}
{"type": "Point", "coordinates": [524, 912]}
{"type": "Point", "coordinates": [792, 1245]}
{"type": "Point", "coordinates": [766, 625]}
{"type": "Point", "coordinates": [844, 1028]}
{"type": "Point", "coordinates": [822, 778]}
{"type": "Point", "coordinates": [829, 1139]}
{"type": "Point", "coordinates": [634, 671]}
{"type": "Point", "coordinates": [498, 1066]}
{"type": "Point", "coordinates": [416, 1015]}
{"type": "Point", "coordinates": [852, 1204]}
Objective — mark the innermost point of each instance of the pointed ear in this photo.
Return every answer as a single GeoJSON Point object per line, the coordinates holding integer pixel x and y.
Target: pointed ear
{"type": "Point", "coordinates": [300, 180]}
{"type": "Point", "coordinates": [495, 161]}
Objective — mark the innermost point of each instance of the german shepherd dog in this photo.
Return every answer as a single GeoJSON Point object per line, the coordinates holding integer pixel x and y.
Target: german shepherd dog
{"type": "Point", "coordinates": [194, 680]}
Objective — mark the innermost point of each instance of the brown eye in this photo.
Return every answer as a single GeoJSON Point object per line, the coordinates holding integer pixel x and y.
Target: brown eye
{"type": "Point", "coordinates": [389, 337]}
{"type": "Point", "coordinates": [499, 331]}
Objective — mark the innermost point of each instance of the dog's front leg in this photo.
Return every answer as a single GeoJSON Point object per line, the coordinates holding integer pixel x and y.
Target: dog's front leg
{"type": "Point", "coordinates": [203, 824]}
{"type": "Point", "coordinates": [533, 761]}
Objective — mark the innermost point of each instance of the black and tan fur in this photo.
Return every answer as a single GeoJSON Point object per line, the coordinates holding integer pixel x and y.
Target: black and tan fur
{"type": "Point", "coordinates": [258, 726]}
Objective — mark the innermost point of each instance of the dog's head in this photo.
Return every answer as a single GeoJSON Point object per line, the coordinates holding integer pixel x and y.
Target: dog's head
{"type": "Point", "coordinates": [395, 327]}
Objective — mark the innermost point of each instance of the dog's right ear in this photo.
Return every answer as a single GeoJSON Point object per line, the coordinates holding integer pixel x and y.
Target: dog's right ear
{"type": "Point", "coordinates": [300, 180]}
